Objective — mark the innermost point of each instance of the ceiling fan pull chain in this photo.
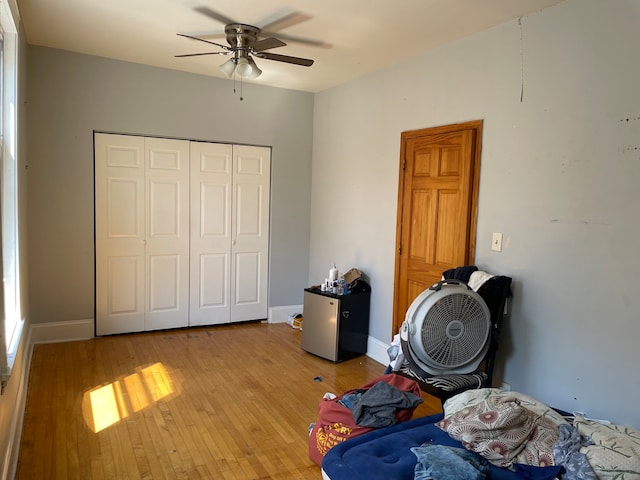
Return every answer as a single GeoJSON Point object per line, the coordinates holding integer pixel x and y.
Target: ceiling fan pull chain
{"type": "Point", "coordinates": [234, 85]}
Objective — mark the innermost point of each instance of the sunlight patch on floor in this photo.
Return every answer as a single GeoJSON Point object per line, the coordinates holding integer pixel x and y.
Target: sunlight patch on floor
{"type": "Point", "coordinates": [106, 405]}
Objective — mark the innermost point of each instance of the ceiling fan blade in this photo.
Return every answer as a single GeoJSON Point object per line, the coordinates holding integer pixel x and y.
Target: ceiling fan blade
{"type": "Point", "coordinates": [204, 53]}
{"type": "Point", "coordinates": [305, 41]}
{"type": "Point", "coordinates": [284, 21]}
{"type": "Point", "coordinates": [226, 47]}
{"type": "Point", "coordinates": [305, 62]}
{"type": "Point", "coordinates": [208, 34]}
{"type": "Point", "coordinates": [215, 15]}
{"type": "Point", "coordinates": [267, 44]}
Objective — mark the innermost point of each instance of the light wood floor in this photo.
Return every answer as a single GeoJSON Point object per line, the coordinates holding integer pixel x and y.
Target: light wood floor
{"type": "Point", "coordinates": [227, 402]}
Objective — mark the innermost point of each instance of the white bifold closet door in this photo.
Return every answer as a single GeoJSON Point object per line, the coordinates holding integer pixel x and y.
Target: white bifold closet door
{"type": "Point", "coordinates": [181, 233]}
{"type": "Point", "coordinates": [229, 232]}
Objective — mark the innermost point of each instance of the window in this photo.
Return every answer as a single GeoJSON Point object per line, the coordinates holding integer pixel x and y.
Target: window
{"type": "Point", "coordinates": [11, 321]}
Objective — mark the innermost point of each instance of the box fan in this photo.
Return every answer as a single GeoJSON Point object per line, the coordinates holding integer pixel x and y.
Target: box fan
{"type": "Point", "coordinates": [446, 330]}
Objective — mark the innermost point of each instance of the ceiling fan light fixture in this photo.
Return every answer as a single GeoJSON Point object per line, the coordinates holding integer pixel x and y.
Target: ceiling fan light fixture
{"type": "Point", "coordinates": [255, 71]}
{"type": "Point", "coordinates": [243, 67]}
{"type": "Point", "coordinates": [229, 66]}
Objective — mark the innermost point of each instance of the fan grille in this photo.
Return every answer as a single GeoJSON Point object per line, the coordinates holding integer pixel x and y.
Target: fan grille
{"type": "Point", "coordinates": [455, 330]}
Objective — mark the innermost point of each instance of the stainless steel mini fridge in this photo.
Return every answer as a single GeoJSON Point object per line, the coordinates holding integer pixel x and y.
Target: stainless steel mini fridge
{"type": "Point", "coordinates": [335, 327]}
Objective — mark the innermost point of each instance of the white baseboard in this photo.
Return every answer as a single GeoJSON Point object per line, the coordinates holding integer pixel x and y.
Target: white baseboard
{"type": "Point", "coordinates": [377, 350]}
{"type": "Point", "coordinates": [281, 314]}
{"type": "Point", "coordinates": [62, 331]}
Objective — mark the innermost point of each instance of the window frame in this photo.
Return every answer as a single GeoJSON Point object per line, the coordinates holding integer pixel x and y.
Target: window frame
{"type": "Point", "coordinates": [11, 314]}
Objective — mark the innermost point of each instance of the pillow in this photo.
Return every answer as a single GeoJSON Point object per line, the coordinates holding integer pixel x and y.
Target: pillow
{"type": "Point", "coordinates": [467, 398]}
{"type": "Point", "coordinates": [472, 397]}
{"type": "Point", "coordinates": [496, 428]}
{"type": "Point", "coordinates": [616, 450]}
{"type": "Point", "coordinates": [503, 431]}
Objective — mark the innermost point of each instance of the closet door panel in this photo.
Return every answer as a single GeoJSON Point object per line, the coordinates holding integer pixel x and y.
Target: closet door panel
{"type": "Point", "coordinates": [164, 288]}
{"type": "Point", "coordinates": [213, 288]}
{"type": "Point", "coordinates": [248, 211]}
{"type": "Point", "coordinates": [211, 179]}
{"type": "Point", "coordinates": [250, 232]}
{"type": "Point", "coordinates": [120, 236]}
{"type": "Point", "coordinates": [122, 220]}
{"type": "Point", "coordinates": [164, 211]}
{"type": "Point", "coordinates": [247, 254]}
{"type": "Point", "coordinates": [167, 226]}
{"type": "Point", "coordinates": [123, 273]}
{"type": "Point", "coordinates": [247, 267]}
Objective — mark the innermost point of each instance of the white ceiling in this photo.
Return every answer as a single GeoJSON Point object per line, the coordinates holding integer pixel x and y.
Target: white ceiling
{"type": "Point", "coordinates": [363, 35]}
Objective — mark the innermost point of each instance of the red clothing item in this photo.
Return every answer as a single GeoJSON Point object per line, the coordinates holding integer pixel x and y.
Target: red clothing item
{"type": "Point", "coordinates": [335, 422]}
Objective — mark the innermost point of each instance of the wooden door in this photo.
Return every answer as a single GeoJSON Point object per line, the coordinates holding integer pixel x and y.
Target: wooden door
{"type": "Point", "coordinates": [437, 198]}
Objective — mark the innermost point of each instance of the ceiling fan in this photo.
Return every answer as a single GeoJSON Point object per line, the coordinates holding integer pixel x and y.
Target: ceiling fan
{"type": "Point", "coordinates": [247, 41]}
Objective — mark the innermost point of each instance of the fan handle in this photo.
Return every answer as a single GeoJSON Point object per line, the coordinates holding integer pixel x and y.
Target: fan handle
{"type": "Point", "coordinates": [436, 287]}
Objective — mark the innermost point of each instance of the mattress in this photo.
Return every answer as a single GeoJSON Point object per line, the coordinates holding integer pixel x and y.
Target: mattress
{"type": "Point", "coordinates": [385, 454]}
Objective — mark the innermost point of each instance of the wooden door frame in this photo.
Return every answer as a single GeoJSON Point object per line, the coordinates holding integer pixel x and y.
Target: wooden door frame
{"type": "Point", "coordinates": [476, 126]}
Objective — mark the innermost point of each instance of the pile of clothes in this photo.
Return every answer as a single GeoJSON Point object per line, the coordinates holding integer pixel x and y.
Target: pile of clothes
{"type": "Point", "coordinates": [385, 401]}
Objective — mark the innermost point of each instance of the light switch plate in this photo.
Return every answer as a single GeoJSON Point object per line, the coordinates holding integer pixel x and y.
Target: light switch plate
{"type": "Point", "coordinates": [496, 242]}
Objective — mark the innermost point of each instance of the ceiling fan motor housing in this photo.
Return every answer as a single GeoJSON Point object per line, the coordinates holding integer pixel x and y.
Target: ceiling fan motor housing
{"type": "Point", "coordinates": [240, 35]}
{"type": "Point", "coordinates": [446, 329]}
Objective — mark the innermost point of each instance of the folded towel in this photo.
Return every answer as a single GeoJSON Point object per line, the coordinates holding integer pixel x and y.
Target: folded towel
{"type": "Point", "coordinates": [477, 278]}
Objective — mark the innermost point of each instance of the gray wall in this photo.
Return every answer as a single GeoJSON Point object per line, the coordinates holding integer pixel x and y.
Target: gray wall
{"type": "Point", "coordinates": [560, 171]}
{"type": "Point", "coordinates": [71, 95]}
